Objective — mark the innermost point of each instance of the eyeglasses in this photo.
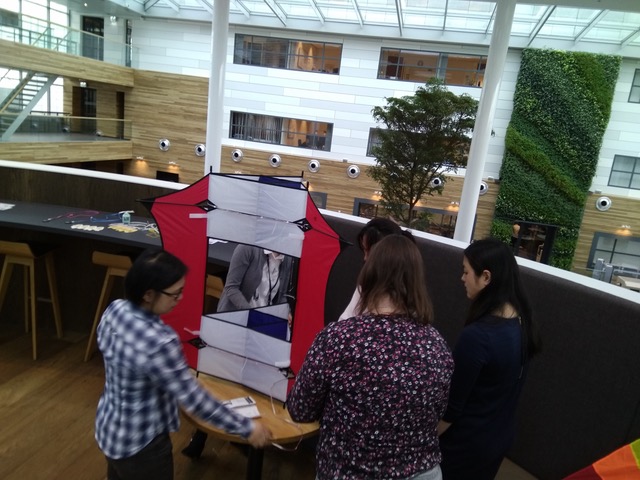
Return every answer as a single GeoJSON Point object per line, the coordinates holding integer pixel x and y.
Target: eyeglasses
{"type": "Point", "coordinates": [175, 296]}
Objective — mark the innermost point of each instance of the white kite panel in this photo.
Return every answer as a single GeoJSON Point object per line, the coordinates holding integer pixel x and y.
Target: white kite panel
{"type": "Point", "coordinates": [271, 234]}
{"type": "Point", "coordinates": [263, 378]}
{"type": "Point", "coordinates": [257, 198]}
{"type": "Point", "coordinates": [245, 342]}
{"type": "Point", "coordinates": [224, 336]}
{"type": "Point", "coordinates": [238, 317]}
{"type": "Point", "coordinates": [221, 364]}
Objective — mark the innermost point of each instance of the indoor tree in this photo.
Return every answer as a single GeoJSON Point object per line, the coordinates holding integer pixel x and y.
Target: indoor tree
{"type": "Point", "coordinates": [423, 137]}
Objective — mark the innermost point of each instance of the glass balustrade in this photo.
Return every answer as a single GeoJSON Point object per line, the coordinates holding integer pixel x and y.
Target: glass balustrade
{"type": "Point", "coordinates": [42, 127]}
{"type": "Point", "coordinates": [40, 33]}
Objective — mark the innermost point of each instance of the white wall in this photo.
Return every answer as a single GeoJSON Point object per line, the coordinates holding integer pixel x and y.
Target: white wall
{"type": "Point", "coordinates": [346, 100]}
{"type": "Point", "coordinates": [622, 136]}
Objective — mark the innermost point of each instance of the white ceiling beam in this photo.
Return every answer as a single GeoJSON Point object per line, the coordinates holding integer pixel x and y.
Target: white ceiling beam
{"type": "Point", "coordinates": [356, 8]}
{"type": "Point", "coordinates": [314, 7]}
{"type": "Point", "coordinates": [540, 24]}
{"type": "Point", "coordinates": [444, 18]}
{"type": "Point", "coordinates": [399, 13]}
{"type": "Point", "coordinates": [206, 5]}
{"type": "Point", "coordinates": [630, 38]}
{"type": "Point", "coordinates": [493, 15]}
{"type": "Point", "coordinates": [150, 3]}
{"type": "Point", "coordinates": [592, 24]}
{"type": "Point", "coordinates": [277, 11]}
{"type": "Point", "coordinates": [245, 11]}
{"type": "Point", "coordinates": [173, 5]}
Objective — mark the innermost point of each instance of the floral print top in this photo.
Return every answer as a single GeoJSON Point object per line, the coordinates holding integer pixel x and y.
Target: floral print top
{"type": "Point", "coordinates": [379, 385]}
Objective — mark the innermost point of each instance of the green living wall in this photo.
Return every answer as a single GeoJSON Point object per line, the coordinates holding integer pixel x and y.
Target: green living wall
{"type": "Point", "coordinates": [562, 105]}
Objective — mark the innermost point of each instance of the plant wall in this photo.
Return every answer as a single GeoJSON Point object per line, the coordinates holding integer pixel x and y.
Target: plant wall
{"type": "Point", "coordinates": [562, 105]}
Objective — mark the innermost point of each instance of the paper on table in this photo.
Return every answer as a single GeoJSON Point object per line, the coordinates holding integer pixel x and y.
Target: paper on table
{"type": "Point", "coordinates": [6, 206]}
{"type": "Point", "coordinates": [245, 406]}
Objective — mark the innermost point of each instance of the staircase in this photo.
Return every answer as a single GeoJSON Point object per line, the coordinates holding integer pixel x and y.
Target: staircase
{"type": "Point", "coordinates": [17, 106]}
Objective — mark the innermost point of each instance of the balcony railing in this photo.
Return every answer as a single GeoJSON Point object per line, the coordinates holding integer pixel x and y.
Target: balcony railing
{"type": "Point", "coordinates": [39, 127]}
{"type": "Point", "coordinates": [40, 33]}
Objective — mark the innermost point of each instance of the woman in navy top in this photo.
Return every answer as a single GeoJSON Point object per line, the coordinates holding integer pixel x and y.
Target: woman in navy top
{"type": "Point", "coordinates": [491, 358]}
{"type": "Point", "coordinates": [378, 382]}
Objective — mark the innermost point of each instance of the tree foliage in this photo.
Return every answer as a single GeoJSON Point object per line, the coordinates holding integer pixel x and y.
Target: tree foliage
{"type": "Point", "coordinates": [425, 136]}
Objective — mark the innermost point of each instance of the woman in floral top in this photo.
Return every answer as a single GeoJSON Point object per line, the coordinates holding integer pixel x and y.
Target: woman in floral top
{"type": "Point", "coordinates": [378, 382]}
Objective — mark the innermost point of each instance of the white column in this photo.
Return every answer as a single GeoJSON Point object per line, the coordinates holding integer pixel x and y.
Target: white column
{"type": "Point", "coordinates": [215, 106]}
{"type": "Point", "coordinates": [484, 119]}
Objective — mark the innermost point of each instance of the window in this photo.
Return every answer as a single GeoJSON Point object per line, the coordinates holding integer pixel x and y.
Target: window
{"type": "Point", "coordinates": [634, 95]}
{"type": "Point", "coordinates": [625, 172]}
{"type": "Point", "coordinates": [440, 222]}
{"type": "Point", "coordinates": [374, 140]}
{"type": "Point", "coordinates": [621, 251]}
{"type": "Point", "coordinates": [288, 54]}
{"type": "Point", "coordinates": [281, 131]}
{"type": "Point", "coordinates": [418, 66]}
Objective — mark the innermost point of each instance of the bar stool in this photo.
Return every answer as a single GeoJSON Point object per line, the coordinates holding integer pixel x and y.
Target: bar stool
{"type": "Point", "coordinates": [25, 254]}
{"type": "Point", "coordinates": [117, 266]}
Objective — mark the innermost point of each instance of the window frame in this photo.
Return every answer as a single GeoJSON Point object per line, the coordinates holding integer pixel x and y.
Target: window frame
{"type": "Point", "coordinates": [635, 87]}
{"type": "Point", "coordinates": [288, 135]}
{"type": "Point", "coordinates": [289, 54]}
{"type": "Point", "coordinates": [438, 65]}
{"type": "Point", "coordinates": [373, 140]}
{"type": "Point", "coordinates": [633, 174]}
{"type": "Point", "coordinates": [591, 260]}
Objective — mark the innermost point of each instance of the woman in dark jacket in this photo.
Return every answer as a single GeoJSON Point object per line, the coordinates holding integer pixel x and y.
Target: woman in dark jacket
{"type": "Point", "coordinates": [491, 359]}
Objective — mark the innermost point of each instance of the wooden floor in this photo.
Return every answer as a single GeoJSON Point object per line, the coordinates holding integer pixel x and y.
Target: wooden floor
{"type": "Point", "coordinates": [47, 409]}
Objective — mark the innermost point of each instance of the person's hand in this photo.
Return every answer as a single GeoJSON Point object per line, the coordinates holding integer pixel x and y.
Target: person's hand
{"type": "Point", "coordinates": [260, 436]}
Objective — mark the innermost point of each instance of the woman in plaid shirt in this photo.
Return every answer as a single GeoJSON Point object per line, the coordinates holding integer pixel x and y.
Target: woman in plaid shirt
{"type": "Point", "coordinates": [147, 377]}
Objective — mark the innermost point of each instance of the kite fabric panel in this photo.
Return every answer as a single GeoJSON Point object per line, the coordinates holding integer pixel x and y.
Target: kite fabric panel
{"type": "Point", "coordinates": [183, 231]}
{"type": "Point", "coordinates": [622, 464]}
{"type": "Point", "coordinates": [262, 348]}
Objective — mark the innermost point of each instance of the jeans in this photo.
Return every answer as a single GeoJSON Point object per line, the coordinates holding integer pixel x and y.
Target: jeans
{"type": "Point", "coordinates": [434, 474]}
{"type": "Point", "coordinates": [153, 462]}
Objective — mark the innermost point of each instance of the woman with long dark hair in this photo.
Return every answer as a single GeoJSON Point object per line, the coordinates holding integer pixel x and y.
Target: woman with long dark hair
{"type": "Point", "coordinates": [491, 359]}
{"type": "Point", "coordinates": [378, 382]}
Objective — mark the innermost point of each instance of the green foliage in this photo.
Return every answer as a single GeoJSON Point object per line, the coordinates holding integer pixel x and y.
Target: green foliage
{"type": "Point", "coordinates": [501, 230]}
{"type": "Point", "coordinates": [426, 135]}
{"type": "Point", "coordinates": [562, 106]}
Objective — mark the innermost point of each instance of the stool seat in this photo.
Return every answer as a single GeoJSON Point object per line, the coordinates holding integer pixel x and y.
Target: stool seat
{"type": "Point", "coordinates": [26, 254]}
{"type": "Point", "coordinates": [117, 266]}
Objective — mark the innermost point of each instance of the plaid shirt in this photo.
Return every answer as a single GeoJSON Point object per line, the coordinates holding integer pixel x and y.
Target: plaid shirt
{"type": "Point", "coordinates": [146, 377]}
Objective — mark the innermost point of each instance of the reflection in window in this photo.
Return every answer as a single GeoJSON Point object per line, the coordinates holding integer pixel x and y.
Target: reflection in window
{"type": "Point", "coordinates": [625, 172]}
{"type": "Point", "coordinates": [621, 251]}
{"type": "Point", "coordinates": [634, 95]}
{"type": "Point", "coordinates": [437, 221]}
{"type": "Point", "coordinates": [281, 131]}
{"type": "Point", "coordinates": [262, 282]}
{"type": "Point", "coordinates": [374, 140]}
{"type": "Point", "coordinates": [288, 54]}
{"type": "Point", "coordinates": [418, 66]}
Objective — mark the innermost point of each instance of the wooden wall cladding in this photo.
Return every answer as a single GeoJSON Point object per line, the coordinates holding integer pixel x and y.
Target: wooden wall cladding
{"type": "Point", "coordinates": [58, 153]}
{"type": "Point", "coordinates": [174, 107]}
{"type": "Point", "coordinates": [331, 179]}
{"type": "Point", "coordinates": [20, 56]}
{"type": "Point", "coordinates": [623, 211]}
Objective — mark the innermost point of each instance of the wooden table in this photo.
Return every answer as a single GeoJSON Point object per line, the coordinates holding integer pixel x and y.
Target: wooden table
{"type": "Point", "coordinates": [283, 429]}
{"type": "Point", "coordinates": [630, 282]}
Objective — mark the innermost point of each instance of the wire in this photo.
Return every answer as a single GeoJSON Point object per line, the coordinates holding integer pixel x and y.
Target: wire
{"type": "Point", "coordinates": [285, 420]}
